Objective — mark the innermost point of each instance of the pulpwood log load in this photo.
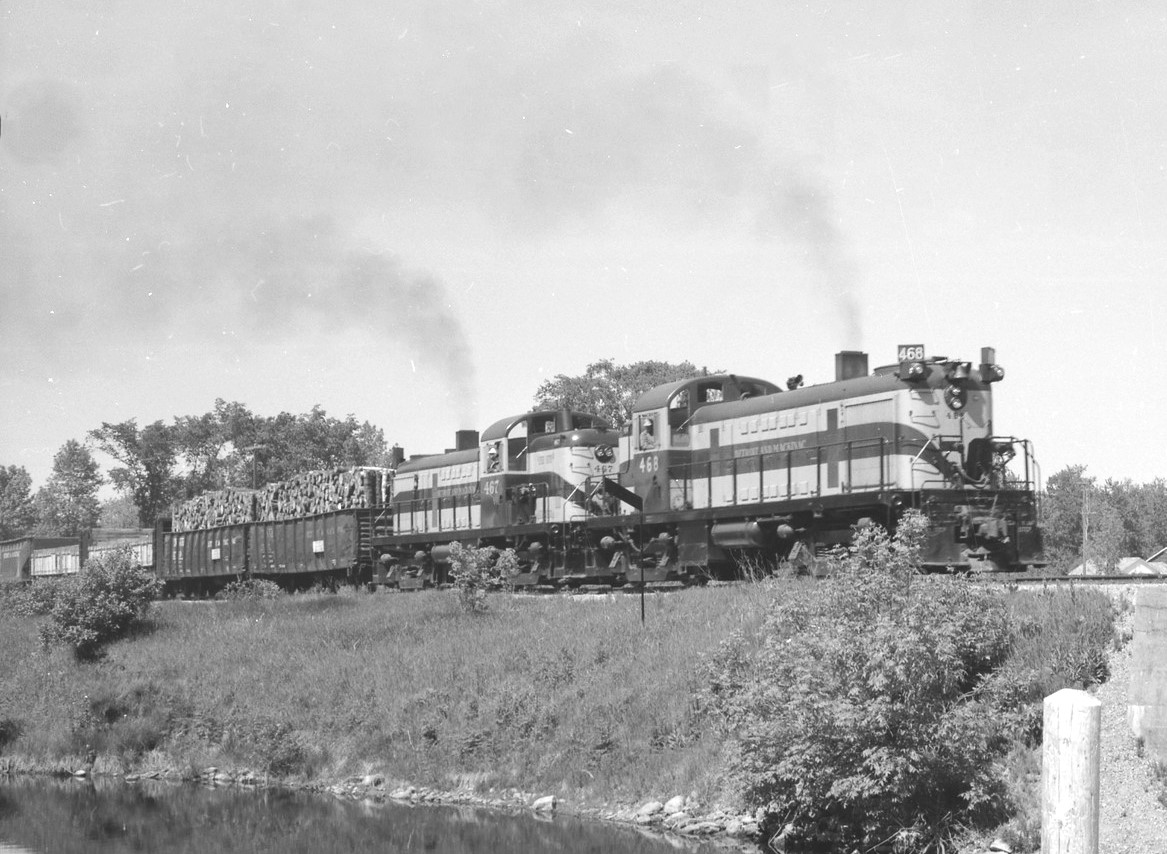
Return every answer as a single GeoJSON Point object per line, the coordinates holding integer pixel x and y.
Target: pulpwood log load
{"type": "Point", "coordinates": [322, 492]}
{"type": "Point", "coordinates": [304, 495]}
{"type": "Point", "coordinates": [213, 509]}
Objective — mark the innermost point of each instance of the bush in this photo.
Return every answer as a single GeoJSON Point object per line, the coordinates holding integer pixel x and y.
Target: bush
{"type": "Point", "coordinates": [857, 720]}
{"type": "Point", "coordinates": [108, 598]}
{"type": "Point", "coordinates": [476, 571]}
{"type": "Point", "coordinates": [10, 730]}
{"type": "Point", "coordinates": [30, 600]}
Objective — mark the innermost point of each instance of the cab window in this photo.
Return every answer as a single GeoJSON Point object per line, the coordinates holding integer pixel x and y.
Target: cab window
{"type": "Point", "coordinates": [517, 447]}
{"type": "Point", "coordinates": [647, 439]}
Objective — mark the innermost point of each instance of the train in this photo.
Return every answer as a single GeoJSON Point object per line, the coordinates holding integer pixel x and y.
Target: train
{"type": "Point", "coordinates": [719, 473]}
{"type": "Point", "coordinates": [714, 476]}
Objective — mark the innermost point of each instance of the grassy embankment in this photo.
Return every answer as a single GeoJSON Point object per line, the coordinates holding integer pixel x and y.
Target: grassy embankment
{"type": "Point", "coordinates": [549, 694]}
{"type": "Point", "coordinates": [570, 696]}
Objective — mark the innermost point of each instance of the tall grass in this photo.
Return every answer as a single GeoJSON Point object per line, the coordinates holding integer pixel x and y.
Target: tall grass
{"type": "Point", "coordinates": [566, 695]}
{"type": "Point", "coordinates": [553, 693]}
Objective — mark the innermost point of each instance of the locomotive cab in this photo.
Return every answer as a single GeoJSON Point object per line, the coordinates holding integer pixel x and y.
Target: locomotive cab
{"type": "Point", "coordinates": [660, 441]}
{"type": "Point", "coordinates": [552, 463]}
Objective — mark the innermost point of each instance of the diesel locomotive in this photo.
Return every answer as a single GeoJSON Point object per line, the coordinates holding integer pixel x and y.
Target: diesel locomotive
{"type": "Point", "coordinates": [720, 472]}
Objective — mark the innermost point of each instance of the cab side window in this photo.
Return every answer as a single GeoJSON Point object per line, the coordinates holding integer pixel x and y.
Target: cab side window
{"type": "Point", "coordinates": [517, 447]}
{"type": "Point", "coordinates": [647, 440]}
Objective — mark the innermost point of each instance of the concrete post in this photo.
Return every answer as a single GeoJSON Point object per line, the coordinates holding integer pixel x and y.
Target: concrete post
{"type": "Point", "coordinates": [1147, 712]}
{"type": "Point", "coordinates": [1069, 773]}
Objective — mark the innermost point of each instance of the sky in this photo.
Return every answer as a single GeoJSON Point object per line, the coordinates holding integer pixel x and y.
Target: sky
{"type": "Point", "coordinates": [417, 211]}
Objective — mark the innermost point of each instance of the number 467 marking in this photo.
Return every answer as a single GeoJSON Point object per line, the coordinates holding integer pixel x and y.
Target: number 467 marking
{"type": "Point", "coordinates": [910, 353]}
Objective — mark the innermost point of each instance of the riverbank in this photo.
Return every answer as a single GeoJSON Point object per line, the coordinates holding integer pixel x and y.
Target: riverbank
{"type": "Point", "coordinates": [567, 704]}
{"type": "Point", "coordinates": [565, 697]}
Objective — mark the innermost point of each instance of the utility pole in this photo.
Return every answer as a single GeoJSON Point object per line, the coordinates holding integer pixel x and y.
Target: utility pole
{"type": "Point", "coordinates": [1085, 524]}
{"type": "Point", "coordinates": [254, 453]}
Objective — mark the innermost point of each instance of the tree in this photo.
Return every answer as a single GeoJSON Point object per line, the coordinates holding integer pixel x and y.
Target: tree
{"type": "Point", "coordinates": [1081, 522]}
{"type": "Point", "coordinates": [216, 448]}
{"type": "Point", "coordinates": [17, 512]}
{"type": "Point", "coordinates": [1149, 503]}
{"type": "Point", "coordinates": [148, 457]}
{"type": "Point", "coordinates": [68, 504]}
{"type": "Point", "coordinates": [1061, 512]}
{"type": "Point", "coordinates": [1123, 498]}
{"type": "Point", "coordinates": [119, 512]}
{"type": "Point", "coordinates": [230, 446]}
{"type": "Point", "coordinates": [610, 390]}
{"type": "Point", "coordinates": [288, 445]}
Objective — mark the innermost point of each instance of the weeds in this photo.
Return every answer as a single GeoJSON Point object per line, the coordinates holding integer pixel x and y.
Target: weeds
{"type": "Point", "coordinates": [477, 571]}
{"type": "Point", "coordinates": [258, 588]}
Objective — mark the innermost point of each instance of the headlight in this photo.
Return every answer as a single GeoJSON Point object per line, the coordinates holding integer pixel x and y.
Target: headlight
{"type": "Point", "coordinates": [913, 371]}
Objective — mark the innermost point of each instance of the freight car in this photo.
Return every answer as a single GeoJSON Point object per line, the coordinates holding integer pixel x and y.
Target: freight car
{"type": "Point", "coordinates": [42, 558]}
{"type": "Point", "coordinates": [322, 549]}
{"type": "Point", "coordinates": [16, 555]}
{"type": "Point", "coordinates": [58, 561]}
{"type": "Point", "coordinates": [720, 471]}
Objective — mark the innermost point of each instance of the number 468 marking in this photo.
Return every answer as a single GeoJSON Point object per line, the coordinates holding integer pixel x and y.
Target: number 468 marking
{"type": "Point", "coordinates": [910, 353]}
{"type": "Point", "coordinates": [649, 464]}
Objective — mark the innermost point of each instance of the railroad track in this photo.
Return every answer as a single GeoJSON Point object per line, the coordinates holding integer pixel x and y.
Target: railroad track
{"type": "Point", "coordinates": [1071, 580]}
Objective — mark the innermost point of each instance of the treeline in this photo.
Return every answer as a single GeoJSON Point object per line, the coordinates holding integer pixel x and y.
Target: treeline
{"type": "Point", "coordinates": [1100, 523]}
{"type": "Point", "coordinates": [160, 463]}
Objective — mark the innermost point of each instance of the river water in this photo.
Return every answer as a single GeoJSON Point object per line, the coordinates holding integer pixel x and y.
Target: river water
{"type": "Point", "coordinates": [88, 817]}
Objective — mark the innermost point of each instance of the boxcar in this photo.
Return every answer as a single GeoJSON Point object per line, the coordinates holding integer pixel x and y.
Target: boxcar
{"type": "Point", "coordinates": [16, 555]}
{"type": "Point", "coordinates": [56, 561]}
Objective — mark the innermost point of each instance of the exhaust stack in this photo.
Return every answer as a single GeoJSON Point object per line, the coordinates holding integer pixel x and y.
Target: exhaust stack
{"type": "Point", "coordinates": [850, 364]}
{"type": "Point", "coordinates": [466, 440]}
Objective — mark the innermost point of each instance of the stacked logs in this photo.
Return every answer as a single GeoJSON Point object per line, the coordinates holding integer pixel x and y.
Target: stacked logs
{"type": "Point", "coordinates": [304, 495]}
{"type": "Point", "coordinates": [322, 492]}
{"type": "Point", "coordinates": [212, 509]}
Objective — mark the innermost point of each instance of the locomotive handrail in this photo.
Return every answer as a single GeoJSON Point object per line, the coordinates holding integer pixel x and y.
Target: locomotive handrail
{"type": "Point", "coordinates": [923, 448]}
{"type": "Point", "coordinates": [1027, 482]}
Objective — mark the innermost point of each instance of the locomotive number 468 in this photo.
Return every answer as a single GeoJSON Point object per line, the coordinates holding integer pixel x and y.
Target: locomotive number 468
{"type": "Point", "coordinates": [910, 353]}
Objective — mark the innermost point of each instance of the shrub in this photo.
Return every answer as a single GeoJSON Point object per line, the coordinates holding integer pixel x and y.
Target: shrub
{"type": "Point", "coordinates": [857, 721]}
{"type": "Point", "coordinates": [30, 600]}
{"type": "Point", "coordinates": [476, 571]}
{"type": "Point", "coordinates": [102, 603]}
{"type": "Point", "coordinates": [10, 730]}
